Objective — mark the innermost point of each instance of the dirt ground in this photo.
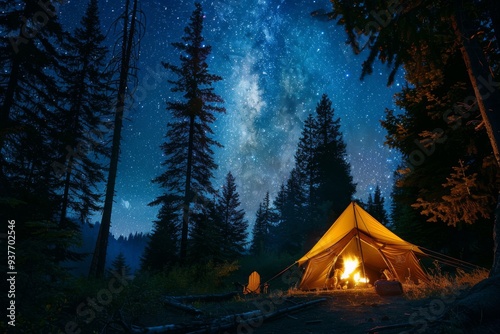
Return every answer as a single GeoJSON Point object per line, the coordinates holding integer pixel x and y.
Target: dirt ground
{"type": "Point", "coordinates": [342, 311]}
{"type": "Point", "coordinates": [352, 311]}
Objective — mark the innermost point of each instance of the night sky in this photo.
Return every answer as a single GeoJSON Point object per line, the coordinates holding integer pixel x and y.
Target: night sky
{"type": "Point", "coordinates": [276, 60]}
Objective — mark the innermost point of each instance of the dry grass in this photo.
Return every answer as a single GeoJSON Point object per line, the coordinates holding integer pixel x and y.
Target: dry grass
{"type": "Point", "coordinates": [442, 283]}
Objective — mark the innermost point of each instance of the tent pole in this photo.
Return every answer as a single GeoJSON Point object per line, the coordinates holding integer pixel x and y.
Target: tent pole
{"type": "Point", "coordinates": [359, 241]}
{"type": "Point", "coordinates": [389, 264]}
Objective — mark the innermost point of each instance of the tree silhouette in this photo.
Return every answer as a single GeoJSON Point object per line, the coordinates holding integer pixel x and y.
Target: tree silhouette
{"type": "Point", "coordinates": [261, 229]}
{"type": "Point", "coordinates": [375, 206]}
{"type": "Point", "coordinates": [188, 148]}
{"type": "Point", "coordinates": [82, 137]}
{"type": "Point", "coordinates": [129, 46]}
{"type": "Point", "coordinates": [162, 250]}
{"type": "Point", "coordinates": [233, 224]}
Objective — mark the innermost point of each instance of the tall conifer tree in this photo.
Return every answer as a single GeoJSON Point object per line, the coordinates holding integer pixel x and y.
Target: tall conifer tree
{"type": "Point", "coordinates": [189, 146]}
{"type": "Point", "coordinates": [306, 165]}
{"type": "Point", "coordinates": [336, 186]}
{"type": "Point", "coordinates": [162, 250]}
{"type": "Point", "coordinates": [261, 229]}
{"type": "Point", "coordinates": [233, 224]}
{"type": "Point", "coordinates": [375, 206]}
{"type": "Point", "coordinates": [82, 137]}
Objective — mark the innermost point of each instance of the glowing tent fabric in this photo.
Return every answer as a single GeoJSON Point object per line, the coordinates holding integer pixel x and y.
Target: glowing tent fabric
{"type": "Point", "coordinates": [356, 233]}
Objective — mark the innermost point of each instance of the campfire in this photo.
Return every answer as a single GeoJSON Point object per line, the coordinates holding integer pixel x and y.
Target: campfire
{"type": "Point", "coordinates": [351, 274]}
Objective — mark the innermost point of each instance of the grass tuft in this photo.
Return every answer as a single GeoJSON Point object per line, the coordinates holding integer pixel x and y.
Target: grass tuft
{"type": "Point", "coordinates": [444, 283]}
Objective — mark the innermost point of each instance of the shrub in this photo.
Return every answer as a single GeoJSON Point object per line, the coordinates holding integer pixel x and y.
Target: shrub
{"type": "Point", "coordinates": [443, 283]}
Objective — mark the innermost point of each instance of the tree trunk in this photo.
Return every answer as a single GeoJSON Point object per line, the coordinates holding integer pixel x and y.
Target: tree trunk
{"type": "Point", "coordinates": [99, 258]}
{"type": "Point", "coordinates": [187, 191]}
{"type": "Point", "coordinates": [487, 100]}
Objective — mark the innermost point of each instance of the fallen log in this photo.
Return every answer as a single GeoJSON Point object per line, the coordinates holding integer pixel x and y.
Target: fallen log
{"type": "Point", "coordinates": [250, 319]}
{"type": "Point", "coordinates": [186, 308]}
{"type": "Point", "coordinates": [388, 327]}
{"type": "Point", "coordinates": [206, 298]}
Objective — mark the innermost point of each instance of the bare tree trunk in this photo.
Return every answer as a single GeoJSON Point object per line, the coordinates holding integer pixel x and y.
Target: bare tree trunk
{"type": "Point", "coordinates": [99, 258]}
{"type": "Point", "coordinates": [487, 100]}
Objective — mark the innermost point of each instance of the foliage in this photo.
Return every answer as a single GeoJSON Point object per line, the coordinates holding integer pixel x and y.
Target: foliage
{"type": "Point", "coordinates": [463, 203]}
{"type": "Point", "coordinates": [443, 284]}
{"type": "Point", "coordinates": [440, 125]}
{"type": "Point", "coordinates": [199, 278]}
{"type": "Point", "coordinates": [268, 266]}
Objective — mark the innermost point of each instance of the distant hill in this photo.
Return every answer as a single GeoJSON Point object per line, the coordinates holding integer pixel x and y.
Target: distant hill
{"type": "Point", "coordinates": [132, 247]}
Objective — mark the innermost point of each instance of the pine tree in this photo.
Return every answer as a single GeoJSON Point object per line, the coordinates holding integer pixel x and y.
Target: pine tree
{"type": "Point", "coordinates": [188, 149]}
{"type": "Point", "coordinates": [233, 224]}
{"type": "Point", "coordinates": [83, 128]}
{"type": "Point", "coordinates": [30, 102]}
{"type": "Point", "coordinates": [402, 39]}
{"type": "Point", "coordinates": [162, 250]}
{"type": "Point", "coordinates": [207, 243]}
{"type": "Point", "coordinates": [31, 96]}
{"type": "Point", "coordinates": [261, 228]}
{"type": "Point", "coordinates": [307, 170]}
{"type": "Point", "coordinates": [375, 206]}
{"type": "Point", "coordinates": [462, 204]}
{"type": "Point", "coordinates": [120, 266]}
{"type": "Point", "coordinates": [299, 224]}
{"type": "Point", "coordinates": [336, 186]}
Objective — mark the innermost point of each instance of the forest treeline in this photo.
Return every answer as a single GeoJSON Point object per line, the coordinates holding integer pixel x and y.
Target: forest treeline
{"type": "Point", "coordinates": [61, 92]}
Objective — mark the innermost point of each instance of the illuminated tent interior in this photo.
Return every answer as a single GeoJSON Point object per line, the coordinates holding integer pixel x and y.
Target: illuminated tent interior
{"type": "Point", "coordinates": [358, 249]}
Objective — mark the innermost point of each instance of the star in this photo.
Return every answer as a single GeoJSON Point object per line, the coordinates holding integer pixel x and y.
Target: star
{"type": "Point", "coordinates": [276, 60]}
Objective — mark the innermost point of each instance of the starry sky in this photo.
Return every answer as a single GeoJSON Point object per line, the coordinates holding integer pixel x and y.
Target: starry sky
{"type": "Point", "coordinates": [276, 60]}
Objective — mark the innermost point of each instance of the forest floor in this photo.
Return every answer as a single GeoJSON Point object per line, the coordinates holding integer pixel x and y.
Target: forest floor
{"type": "Point", "coordinates": [343, 311]}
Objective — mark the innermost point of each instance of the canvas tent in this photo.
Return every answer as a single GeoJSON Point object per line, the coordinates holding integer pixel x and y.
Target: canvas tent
{"type": "Point", "coordinates": [357, 234]}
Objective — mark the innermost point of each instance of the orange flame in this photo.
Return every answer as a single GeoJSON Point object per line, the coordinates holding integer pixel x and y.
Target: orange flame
{"type": "Point", "coordinates": [351, 263]}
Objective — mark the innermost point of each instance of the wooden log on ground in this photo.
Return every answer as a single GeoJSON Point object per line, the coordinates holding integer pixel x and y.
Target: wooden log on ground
{"type": "Point", "coordinates": [206, 298]}
{"type": "Point", "coordinates": [388, 327]}
{"type": "Point", "coordinates": [249, 319]}
{"type": "Point", "coordinates": [186, 308]}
